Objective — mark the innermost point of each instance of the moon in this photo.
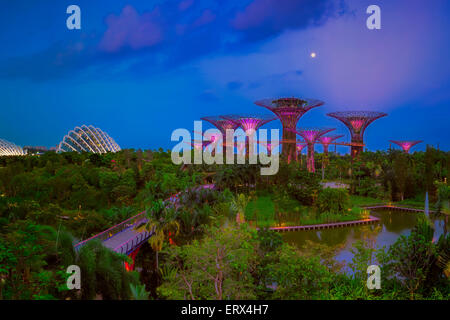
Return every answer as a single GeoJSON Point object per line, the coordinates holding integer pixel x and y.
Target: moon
{"type": "Point", "coordinates": [313, 54]}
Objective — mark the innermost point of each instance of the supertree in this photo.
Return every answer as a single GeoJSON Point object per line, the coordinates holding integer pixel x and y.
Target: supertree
{"type": "Point", "coordinates": [325, 142]}
{"type": "Point", "coordinates": [199, 145]}
{"type": "Point", "coordinates": [249, 123]}
{"type": "Point", "coordinates": [406, 145]}
{"type": "Point", "coordinates": [220, 123]}
{"type": "Point", "coordinates": [270, 146]}
{"type": "Point", "coordinates": [299, 148]}
{"type": "Point", "coordinates": [289, 111]}
{"type": "Point", "coordinates": [310, 135]}
{"type": "Point", "coordinates": [223, 125]}
{"type": "Point", "coordinates": [357, 122]}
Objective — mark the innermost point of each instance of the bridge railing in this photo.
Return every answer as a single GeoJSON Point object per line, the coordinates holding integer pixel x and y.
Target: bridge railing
{"type": "Point", "coordinates": [132, 221]}
{"type": "Point", "coordinates": [113, 230]}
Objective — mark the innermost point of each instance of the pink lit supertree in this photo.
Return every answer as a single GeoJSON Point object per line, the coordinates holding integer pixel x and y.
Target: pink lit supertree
{"type": "Point", "coordinates": [249, 123]}
{"type": "Point", "coordinates": [289, 111]}
{"type": "Point", "coordinates": [223, 125]}
{"type": "Point", "coordinates": [299, 148]}
{"type": "Point", "coordinates": [311, 135]}
{"type": "Point", "coordinates": [207, 139]}
{"type": "Point", "coordinates": [269, 146]}
{"type": "Point", "coordinates": [357, 122]}
{"type": "Point", "coordinates": [325, 142]}
{"type": "Point", "coordinates": [199, 145]}
{"type": "Point", "coordinates": [406, 145]}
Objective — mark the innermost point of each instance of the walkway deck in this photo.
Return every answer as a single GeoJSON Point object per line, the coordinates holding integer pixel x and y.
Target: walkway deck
{"type": "Point", "coordinates": [392, 207]}
{"type": "Point", "coordinates": [123, 238]}
{"type": "Point", "coordinates": [126, 240]}
{"type": "Point", "coordinates": [370, 220]}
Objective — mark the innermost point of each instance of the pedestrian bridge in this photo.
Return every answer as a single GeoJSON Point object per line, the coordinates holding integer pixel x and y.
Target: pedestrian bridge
{"type": "Point", "coordinates": [123, 238]}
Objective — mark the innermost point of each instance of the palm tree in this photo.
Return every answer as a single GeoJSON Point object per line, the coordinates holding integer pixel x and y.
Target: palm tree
{"type": "Point", "coordinates": [239, 204]}
{"type": "Point", "coordinates": [162, 223]}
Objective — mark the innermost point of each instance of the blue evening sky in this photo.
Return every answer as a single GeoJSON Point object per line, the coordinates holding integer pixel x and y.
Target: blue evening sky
{"type": "Point", "coordinates": [140, 69]}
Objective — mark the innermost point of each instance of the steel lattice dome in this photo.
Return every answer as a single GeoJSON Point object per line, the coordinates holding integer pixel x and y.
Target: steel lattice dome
{"type": "Point", "coordinates": [88, 139]}
{"type": "Point", "coordinates": [10, 149]}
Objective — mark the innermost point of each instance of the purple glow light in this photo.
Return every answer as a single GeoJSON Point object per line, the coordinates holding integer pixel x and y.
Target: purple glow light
{"type": "Point", "coordinates": [406, 145]}
{"type": "Point", "coordinates": [357, 124]}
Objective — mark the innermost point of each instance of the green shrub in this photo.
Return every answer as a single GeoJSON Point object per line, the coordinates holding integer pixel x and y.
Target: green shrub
{"type": "Point", "coordinates": [333, 200]}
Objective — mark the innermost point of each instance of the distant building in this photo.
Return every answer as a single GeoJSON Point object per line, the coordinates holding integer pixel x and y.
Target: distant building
{"type": "Point", "coordinates": [88, 139]}
{"type": "Point", "coordinates": [36, 150]}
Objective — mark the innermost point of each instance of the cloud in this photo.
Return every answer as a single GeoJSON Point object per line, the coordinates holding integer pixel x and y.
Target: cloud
{"type": "Point", "coordinates": [60, 60]}
{"type": "Point", "coordinates": [266, 18]}
{"type": "Point", "coordinates": [172, 34]}
{"type": "Point", "coordinates": [132, 30]}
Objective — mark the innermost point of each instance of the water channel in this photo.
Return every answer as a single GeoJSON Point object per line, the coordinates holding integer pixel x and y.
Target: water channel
{"type": "Point", "coordinates": [384, 233]}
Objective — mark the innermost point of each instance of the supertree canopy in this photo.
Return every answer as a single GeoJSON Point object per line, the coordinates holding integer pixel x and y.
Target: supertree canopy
{"type": "Point", "coordinates": [299, 148]}
{"type": "Point", "coordinates": [223, 125]}
{"type": "Point", "coordinates": [357, 122]}
{"type": "Point", "coordinates": [87, 139]}
{"type": "Point", "coordinates": [289, 111]}
{"type": "Point", "coordinates": [220, 123]}
{"type": "Point", "coordinates": [311, 135]}
{"type": "Point", "coordinates": [326, 140]}
{"type": "Point", "coordinates": [199, 145]}
{"type": "Point", "coordinates": [249, 123]}
{"type": "Point", "coordinates": [10, 149]}
{"type": "Point", "coordinates": [406, 145]}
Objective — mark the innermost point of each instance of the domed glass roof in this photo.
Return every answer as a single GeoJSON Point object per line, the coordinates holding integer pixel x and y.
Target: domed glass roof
{"type": "Point", "coordinates": [88, 139]}
{"type": "Point", "coordinates": [10, 149]}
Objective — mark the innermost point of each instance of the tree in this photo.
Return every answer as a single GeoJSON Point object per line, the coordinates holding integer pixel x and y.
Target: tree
{"type": "Point", "coordinates": [217, 267]}
{"type": "Point", "coordinates": [333, 200]}
{"type": "Point", "coordinates": [108, 181]}
{"type": "Point", "coordinates": [25, 253]}
{"type": "Point", "coordinates": [239, 204]}
{"type": "Point", "coordinates": [299, 277]}
{"type": "Point", "coordinates": [302, 185]}
{"type": "Point", "coordinates": [401, 166]}
{"type": "Point", "coordinates": [103, 273]}
{"type": "Point", "coordinates": [430, 159]}
{"type": "Point", "coordinates": [162, 224]}
{"type": "Point", "coordinates": [412, 256]}
{"type": "Point", "coordinates": [442, 205]}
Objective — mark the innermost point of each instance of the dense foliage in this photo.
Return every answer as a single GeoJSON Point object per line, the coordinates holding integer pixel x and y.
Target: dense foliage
{"type": "Point", "coordinates": [205, 246]}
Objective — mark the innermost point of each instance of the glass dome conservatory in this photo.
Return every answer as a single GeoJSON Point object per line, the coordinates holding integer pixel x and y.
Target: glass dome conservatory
{"type": "Point", "coordinates": [10, 149]}
{"type": "Point", "coordinates": [88, 139]}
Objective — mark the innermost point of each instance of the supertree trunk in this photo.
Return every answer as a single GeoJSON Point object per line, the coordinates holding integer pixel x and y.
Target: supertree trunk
{"type": "Point", "coordinates": [310, 163]}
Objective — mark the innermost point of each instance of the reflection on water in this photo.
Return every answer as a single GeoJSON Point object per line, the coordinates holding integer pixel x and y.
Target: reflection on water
{"type": "Point", "coordinates": [385, 233]}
